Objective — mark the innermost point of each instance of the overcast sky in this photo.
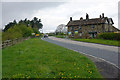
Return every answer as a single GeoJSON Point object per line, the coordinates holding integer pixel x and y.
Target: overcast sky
{"type": "Point", "coordinates": [53, 13]}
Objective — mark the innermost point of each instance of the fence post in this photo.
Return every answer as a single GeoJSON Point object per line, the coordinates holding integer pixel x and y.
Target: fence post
{"type": "Point", "coordinates": [12, 42]}
{"type": "Point", "coordinates": [3, 45]}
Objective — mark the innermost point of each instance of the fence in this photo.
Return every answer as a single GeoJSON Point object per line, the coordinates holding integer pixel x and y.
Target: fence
{"type": "Point", "coordinates": [13, 42]}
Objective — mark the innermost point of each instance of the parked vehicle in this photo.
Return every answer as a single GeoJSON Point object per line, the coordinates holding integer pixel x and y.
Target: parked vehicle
{"type": "Point", "coordinates": [45, 35]}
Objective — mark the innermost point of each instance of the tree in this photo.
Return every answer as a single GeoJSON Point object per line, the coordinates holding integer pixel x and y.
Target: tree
{"type": "Point", "coordinates": [10, 25]}
{"type": "Point", "coordinates": [24, 28]}
{"type": "Point", "coordinates": [14, 22]}
{"type": "Point", "coordinates": [36, 23]}
{"type": "Point", "coordinates": [36, 31]}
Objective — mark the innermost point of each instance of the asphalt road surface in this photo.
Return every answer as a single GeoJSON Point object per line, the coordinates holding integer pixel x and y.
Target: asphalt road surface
{"type": "Point", "coordinates": [107, 53]}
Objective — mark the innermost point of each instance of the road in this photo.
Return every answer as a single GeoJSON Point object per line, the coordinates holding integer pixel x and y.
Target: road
{"type": "Point", "coordinates": [104, 52]}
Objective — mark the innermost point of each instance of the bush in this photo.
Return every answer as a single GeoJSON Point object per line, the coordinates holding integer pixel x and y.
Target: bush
{"type": "Point", "coordinates": [109, 36]}
{"type": "Point", "coordinates": [17, 31]}
{"type": "Point", "coordinates": [36, 31]}
{"type": "Point", "coordinates": [61, 34]}
{"type": "Point", "coordinates": [11, 34]}
{"type": "Point", "coordinates": [28, 32]}
{"type": "Point", "coordinates": [51, 34]}
{"type": "Point", "coordinates": [57, 33]}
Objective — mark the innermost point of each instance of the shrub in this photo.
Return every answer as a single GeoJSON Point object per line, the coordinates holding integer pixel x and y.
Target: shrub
{"type": "Point", "coordinates": [109, 36]}
{"type": "Point", "coordinates": [11, 34]}
{"type": "Point", "coordinates": [28, 32]}
{"type": "Point", "coordinates": [36, 31]}
{"type": "Point", "coordinates": [17, 31]}
{"type": "Point", "coordinates": [61, 33]}
{"type": "Point", "coordinates": [57, 33]}
{"type": "Point", "coordinates": [51, 34]}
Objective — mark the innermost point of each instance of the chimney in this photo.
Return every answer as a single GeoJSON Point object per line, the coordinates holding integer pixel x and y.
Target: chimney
{"type": "Point", "coordinates": [87, 16]}
{"type": "Point", "coordinates": [81, 18]}
{"type": "Point", "coordinates": [102, 15]}
{"type": "Point", "coordinates": [70, 18]}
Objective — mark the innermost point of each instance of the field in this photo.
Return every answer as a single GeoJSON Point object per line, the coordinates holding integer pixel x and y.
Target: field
{"type": "Point", "coordinates": [35, 58]}
{"type": "Point", "coordinates": [100, 41]}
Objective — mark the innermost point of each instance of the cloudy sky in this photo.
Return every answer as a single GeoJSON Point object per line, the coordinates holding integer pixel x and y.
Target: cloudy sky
{"type": "Point", "coordinates": [53, 12]}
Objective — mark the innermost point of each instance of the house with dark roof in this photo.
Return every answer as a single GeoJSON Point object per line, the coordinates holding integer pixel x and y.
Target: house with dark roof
{"type": "Point", "coordinates": [89, 28]}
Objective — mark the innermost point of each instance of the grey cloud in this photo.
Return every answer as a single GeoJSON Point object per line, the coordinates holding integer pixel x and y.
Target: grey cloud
{"type": "Point", "coordinates": [79, 13]}
{"type": "Point", "coordinates": [55, 13]}
{"type": "Point", "coordinates": [119, 14]}
{"type": "Point", "coordinates": [21, 10]}
{"type": "Point", "coordinates": [8, 7]}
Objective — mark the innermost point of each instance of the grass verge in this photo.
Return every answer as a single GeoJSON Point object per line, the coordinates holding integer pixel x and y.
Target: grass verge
{"type": "Point", "coordinates": [36, 58]}
{"type": "Point", "coordinates": [100, 41]}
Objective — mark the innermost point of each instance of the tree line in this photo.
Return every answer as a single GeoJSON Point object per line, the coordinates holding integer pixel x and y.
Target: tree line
{"type": "Point", "coordinates": [22, 28]}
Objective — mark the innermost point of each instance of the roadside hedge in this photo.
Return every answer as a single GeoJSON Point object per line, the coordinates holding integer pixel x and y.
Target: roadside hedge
{"type": "Point", "coordinates": [17, 31]}
{"type": "Point", "coordinates": [109, 36]}
{"type": "Point", "coordinates": [51, 34]}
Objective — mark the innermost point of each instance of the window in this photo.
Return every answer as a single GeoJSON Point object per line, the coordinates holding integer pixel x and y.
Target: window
{"type": "Point", "coordinates": [72, 35]}
{"type": "Point", "coordinates": [76, 27]}
{"type": "Point", "coordinates": [80, 34]}
{"type": "Point", "coordinates": [80, 27]}
{"type": "Point", "coordinates": [72, 28]}
{"type": "Point", "coordinates": [92, 26]}
{"type": "Point", "coordinates": [106, 28]}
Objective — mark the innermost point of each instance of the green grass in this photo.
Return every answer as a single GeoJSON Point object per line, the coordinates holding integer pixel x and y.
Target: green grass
{"type": "Point", "coordinates": [36, 58]}
{"type": "Point", "coordinates": [100, 41]}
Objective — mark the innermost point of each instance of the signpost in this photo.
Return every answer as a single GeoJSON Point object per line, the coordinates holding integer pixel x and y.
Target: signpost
{"type": "Point", "coordinates": [37, 35]}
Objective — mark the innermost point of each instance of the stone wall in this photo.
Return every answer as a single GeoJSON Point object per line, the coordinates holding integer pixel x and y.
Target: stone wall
{"type": "Point", "coordinates": [83, 32]}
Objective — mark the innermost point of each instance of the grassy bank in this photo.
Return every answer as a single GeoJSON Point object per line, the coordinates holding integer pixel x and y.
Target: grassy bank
{"type": "Point", "coordinates": [100, 41]}
{"type": "Point", "coordinates": [36, 58]}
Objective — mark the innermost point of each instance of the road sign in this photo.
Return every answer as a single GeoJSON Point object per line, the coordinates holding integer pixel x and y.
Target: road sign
{"type": "Point", "coordinates": [37, 35]}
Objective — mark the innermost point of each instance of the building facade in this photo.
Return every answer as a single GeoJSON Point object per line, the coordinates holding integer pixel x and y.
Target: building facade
{"type": "Point", "coordinates": [89, 28]}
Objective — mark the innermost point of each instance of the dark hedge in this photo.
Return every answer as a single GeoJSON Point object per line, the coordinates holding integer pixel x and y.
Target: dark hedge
{"type": "Point", "coordinates": [109, 36]}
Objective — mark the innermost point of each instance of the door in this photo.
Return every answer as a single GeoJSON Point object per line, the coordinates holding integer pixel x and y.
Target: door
{"type": "Point", "coordinates": [93, 35]}
{"type": "Point", "coordinates": [72, 35]}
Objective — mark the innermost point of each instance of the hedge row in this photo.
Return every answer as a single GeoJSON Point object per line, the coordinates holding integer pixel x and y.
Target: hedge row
{"type": "Point", "coordinates": [109, 36]}
{"type": "Point", "coordinates": [19, 31]}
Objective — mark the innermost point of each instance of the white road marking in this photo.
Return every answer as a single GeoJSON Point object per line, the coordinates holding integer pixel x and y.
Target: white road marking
{"type": "Point", "coordinates": [99, 46]}
{"type": "Point", "coordinates": [88, 54]}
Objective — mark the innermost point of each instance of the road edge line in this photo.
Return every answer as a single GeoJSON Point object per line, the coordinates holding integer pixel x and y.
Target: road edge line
{"type": "Point", "coordinates": [96, 58]}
